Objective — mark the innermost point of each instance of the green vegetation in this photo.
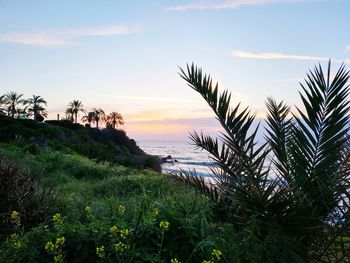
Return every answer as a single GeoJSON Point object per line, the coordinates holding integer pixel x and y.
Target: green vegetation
{"type": "Point", "coordinates": [101, 144]}
{"type": "Point", "coordinates": [65, 197]}
{"type": "Point", "coordinates": [289, 196]}
{"type": "Point", "coordinates": [99, 212]}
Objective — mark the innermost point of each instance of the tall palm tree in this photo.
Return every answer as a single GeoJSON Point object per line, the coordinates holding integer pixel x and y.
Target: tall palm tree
{"type": "Point", "coordinates": [76, 106]}
{"type": "Point", "coordinates": [115, 119]}
{"type": "Point", "coordinates": [296, 183]}
{"type": "Point", "coordinates": [98, 115]}
{"type": "Point", "coordinates": [89, 117]}
{"type": "Point", "coordinates": [13, 100]}
{"type": "Point", "coordinates": [36, 106]}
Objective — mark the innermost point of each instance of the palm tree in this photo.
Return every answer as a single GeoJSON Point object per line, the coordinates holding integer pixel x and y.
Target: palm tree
{"type": "Point", "coordinates": [88, 118]}
{"type": "Point", "coordinates": [289, 195]}
{"type": "Point", "coordinates": [69, 114]}
{"type": "Point", "coordinates": [2, 104]}
{"type": "Point", "coordinates": [114, 119]}
{"type": "Point", "coordinates": [13, 100]}
{"type": "Point", "coordinates": [76, 106]}
{"type": "Point", "coordinates": [36, 107]}
{"type": "Point", "coordinates": [98, 115]}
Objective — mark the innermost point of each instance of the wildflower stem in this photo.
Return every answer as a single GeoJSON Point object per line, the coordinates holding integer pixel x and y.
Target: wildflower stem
{"type": "Point", "coordinates": [161, 244]}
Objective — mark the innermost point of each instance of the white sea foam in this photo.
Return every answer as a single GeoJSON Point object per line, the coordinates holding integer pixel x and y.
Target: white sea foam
{"type": "Point", "coordinates": [186, 155]}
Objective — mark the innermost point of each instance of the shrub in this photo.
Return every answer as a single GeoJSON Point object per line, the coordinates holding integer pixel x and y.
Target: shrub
{"type": "Point", "coordinates": [288, 197]}
{"type": "Point", "coordinates": [19, 191]}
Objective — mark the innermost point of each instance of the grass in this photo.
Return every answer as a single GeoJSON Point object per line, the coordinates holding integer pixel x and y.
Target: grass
{"type": "Point", "coordinates": [102, 188]}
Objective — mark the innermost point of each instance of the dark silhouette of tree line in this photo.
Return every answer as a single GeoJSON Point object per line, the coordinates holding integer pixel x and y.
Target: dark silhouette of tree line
{"type": "Point", "coordinates": [13, 104]}
{"type": "Point", "coordinates": [94, 116]}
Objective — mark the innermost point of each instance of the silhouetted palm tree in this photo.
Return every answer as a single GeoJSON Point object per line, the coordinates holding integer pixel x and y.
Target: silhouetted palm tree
{"type": "Point", "coordinates": [36, 106]}
{"type": "Point", "coordinates": [13, 100]}
{"type": "Point", "coordinates": [76, 106]}
{"type": "Point", "coordinates": [114, 119]}
{"type": "Point", "coordinates": [69, 114]}
{"type": "Point", "coordinates": [2, 105]}
{"type": "Point", "coordinates": [99, 115]}
{"type": "Point", "coordinates": [88, 118]}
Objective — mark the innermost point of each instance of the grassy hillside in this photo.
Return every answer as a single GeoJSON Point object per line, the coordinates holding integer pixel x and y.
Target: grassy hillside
{"type": "Point", "coordinates": [65, 197]}
{"type": "Point", "coordinates": [103, 145]}
{"type": "Point", "coordinates": [105, 212]}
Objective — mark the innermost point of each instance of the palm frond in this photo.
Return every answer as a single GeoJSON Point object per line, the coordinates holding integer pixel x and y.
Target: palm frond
{"type": "Point", "coordinates": [318, 135]}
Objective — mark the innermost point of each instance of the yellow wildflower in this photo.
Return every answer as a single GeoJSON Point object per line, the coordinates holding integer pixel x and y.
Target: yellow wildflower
{"type": "Point", "coordinates": [14, 215]}
{"type": "Point", "coordinates": [164, 225]}
{"type": "Point", "coordinates": [155, 212]}
{"type": "Point", "coordinates": [57, 218]}
{"type": "Point", "coordinates": [88, 210]}
{"type": "Point", "coordinates": [120, 247]}
{"type": "Point", "coordinates": [207, 261]}
{"type": "Point", "coordinates": [17, 244]}
{"type": "Point", "coordinates": [217, 254]}
{"type": "Point", "coordinates": [113, 229]}
{"type": "Point", "coordinates": [100, 251]}
{"type": "Point", "coordinates": [174, 260]}
{"type": "Point", "coordinates": [50, 247]}
{"type": "Point", "coordinates": [60, 241]}
{"type": "Point", "coordinates": [124, 232]}
{"type": "Point", "coordinates": [58, 258]}
{"type": "Point", "coordinates": [121, 209]}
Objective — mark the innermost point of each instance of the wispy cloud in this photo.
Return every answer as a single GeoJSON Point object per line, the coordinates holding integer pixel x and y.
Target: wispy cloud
{"type": "Point", "coordinates": [164, 99]}
{"type": "Point", "coordinates": [252, 55]}
{"type": "Point", "coordinates": [347, 47]}
{"type": "Point", "coordinates": [102, 31]}
{"type": "Point", "coordinates": [55, 38]}
{"type": "Point", "coordinates": [39, 39]}
{"type": "Point", "coordinates": [229, 4]}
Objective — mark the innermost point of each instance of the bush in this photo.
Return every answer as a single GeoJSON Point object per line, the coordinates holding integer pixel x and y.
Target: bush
{"type": "Point", "coordinates": [20, 191]}
{"type": "Point", "coordinates": [288, 196]}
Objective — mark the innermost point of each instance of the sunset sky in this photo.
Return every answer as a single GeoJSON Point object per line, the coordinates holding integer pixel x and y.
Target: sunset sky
{"type": "Point", "coordinates": [124, 55]}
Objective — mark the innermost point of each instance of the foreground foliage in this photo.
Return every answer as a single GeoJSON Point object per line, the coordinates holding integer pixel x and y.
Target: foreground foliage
{"type": "Point", "coordinates": [290, 195]}
{"type": "Point", "coordinates": [107, 213]}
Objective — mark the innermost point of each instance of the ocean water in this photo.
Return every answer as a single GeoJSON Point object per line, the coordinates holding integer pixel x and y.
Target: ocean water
{"type": "Point", "coordinates": [188, 157]}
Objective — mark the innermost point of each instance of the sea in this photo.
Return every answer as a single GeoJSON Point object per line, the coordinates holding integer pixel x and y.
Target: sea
{"type": "Point", "coordinates": [185, 156]}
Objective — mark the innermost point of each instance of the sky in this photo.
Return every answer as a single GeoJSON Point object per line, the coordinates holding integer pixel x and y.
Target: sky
{"type": "Point", "coordinates": [125, 56]}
